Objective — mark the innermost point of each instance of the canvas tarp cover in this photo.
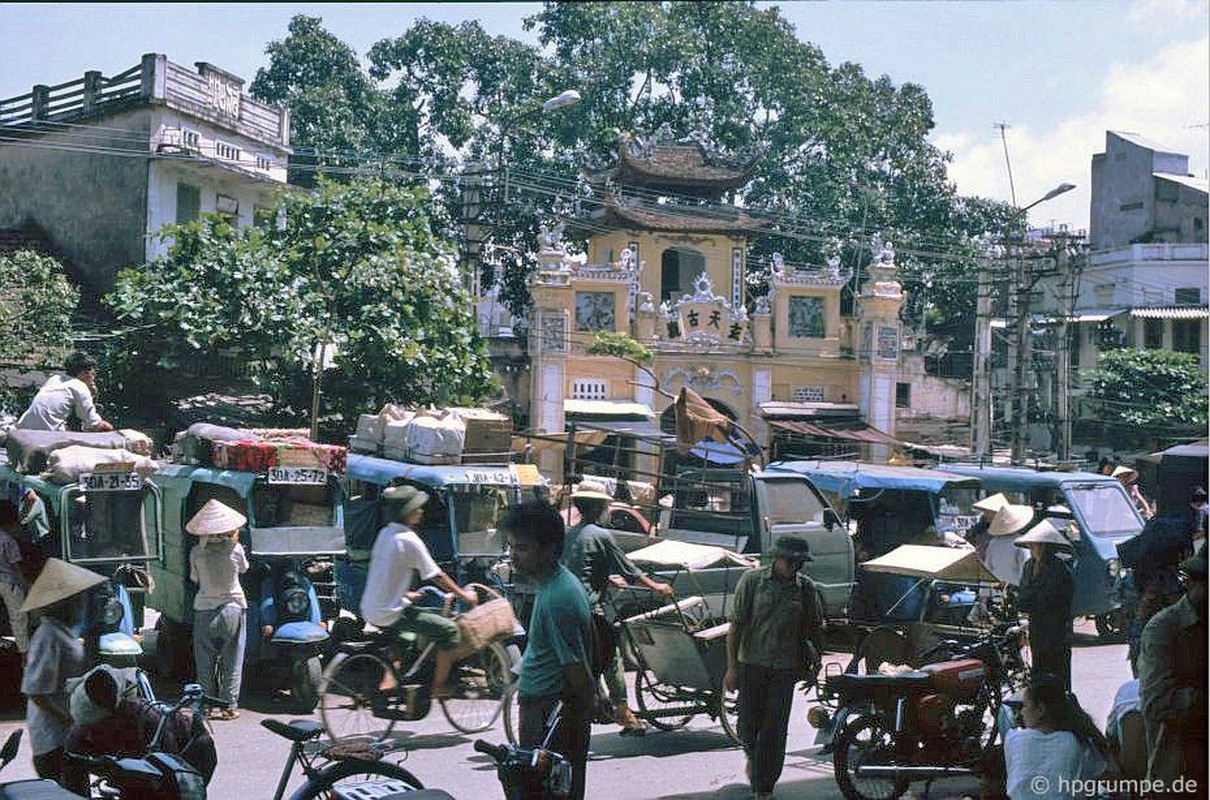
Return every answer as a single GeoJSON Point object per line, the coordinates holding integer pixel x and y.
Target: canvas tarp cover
{"type": "Point", "coordinates": [924, 561]}
{"type": "Point", "coordinates": [688, 556]}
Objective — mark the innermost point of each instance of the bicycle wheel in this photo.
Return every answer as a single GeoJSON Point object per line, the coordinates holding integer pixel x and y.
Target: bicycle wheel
{"type": "Point", "coordinates": [728, 712]}
{"type": "Point", "coordinates": [480, 683]}
{"type": "Point", "coordinates": [657, 702]}
{"type": "Point", "coordinates": [349, 696]}
{"type": "Point", "coordinates": [342, 778]}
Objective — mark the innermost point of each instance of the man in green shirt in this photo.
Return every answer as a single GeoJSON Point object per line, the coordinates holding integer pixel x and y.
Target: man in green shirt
{"type": "Point", "coordinates": [592, 555]}
{"type": "Point", "coordinates": [774, 642]}
{"type": "Point", "coordinates": [557, 665]}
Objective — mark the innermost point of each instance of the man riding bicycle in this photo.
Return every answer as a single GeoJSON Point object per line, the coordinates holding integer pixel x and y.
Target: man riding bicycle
{"type": "Point", "coordinates": [389, 602]}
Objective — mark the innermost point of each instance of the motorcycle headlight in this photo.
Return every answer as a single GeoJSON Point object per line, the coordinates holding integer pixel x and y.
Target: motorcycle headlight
{"type": "Point", "coordinates": [1115, 568]}
{"type": "Point", "coordinates": [296, 602]}
{"type": "Point", "coordinates": [111, 612]}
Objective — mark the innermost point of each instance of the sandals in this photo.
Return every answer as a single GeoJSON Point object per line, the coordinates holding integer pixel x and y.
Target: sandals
{"type": "Point", "coordinates": [222, 714]}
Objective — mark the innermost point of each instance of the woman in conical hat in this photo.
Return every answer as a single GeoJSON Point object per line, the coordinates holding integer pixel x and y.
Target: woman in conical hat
{"type": "Point", "coordinates": [219, 607]}
{"type": "Point", "coordinates": [55, 655]}
{"type": "Point", "coordinates": [1047, 587]}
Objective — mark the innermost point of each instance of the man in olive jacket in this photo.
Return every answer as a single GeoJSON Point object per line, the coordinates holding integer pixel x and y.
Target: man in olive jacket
{"type": "Point", "coordinates": [774, 642]}
{"type": "Point", "coordinates": [1172, 685]}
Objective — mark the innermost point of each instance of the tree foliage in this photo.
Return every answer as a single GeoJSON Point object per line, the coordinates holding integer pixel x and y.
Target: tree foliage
{"type": "Point", "coordinates": [36, 304]}
{"type": "Point", "coordinates": [838, 154]}
{"type": "Point", "coordinates": [1157, 389]}
{"type": "Point", "coordinates": [358, 269]}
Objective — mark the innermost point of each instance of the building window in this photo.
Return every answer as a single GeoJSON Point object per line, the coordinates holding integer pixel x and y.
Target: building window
{"type": "Point", "coordinates": [594, 311]}
{"type": "Point", "coordinates": [227, 152]}
{"type": "Point", "coordinates": [1188, 296]}
{"type": "Point", "coordinates": [1130, 206]}
{"type": "Point", "coordinates": [806, 317]}
{"type": "Point", "coordinates": [679, 266]}
{"type": "Point", "coordinates": [1166, 191]}
{"type": "Point", "coordinates": [808, 394]}
{"type": "Point", "coordinates": [1198, 223]}
{"type": "Point", "coordinates": [188, 203]}
{"type": "Point", "coordinates": [191, 141]}
{"type": "Point", "coordinates": [903, 395]}
{"type": "Point", "coordinates": [588, 389]}
{"type": "Point", "coordinates": [1153, 334]}
{"type": "Point", "coordinates": [264, 162]}
{"type": "Point", "coordinates": [1187, 335]}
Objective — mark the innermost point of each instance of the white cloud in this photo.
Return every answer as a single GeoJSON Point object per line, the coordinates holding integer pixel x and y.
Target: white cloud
{"type": "Point", "coordinates": [1162, 13]}
{"type": "Point", "coordinates": [1164, 98]}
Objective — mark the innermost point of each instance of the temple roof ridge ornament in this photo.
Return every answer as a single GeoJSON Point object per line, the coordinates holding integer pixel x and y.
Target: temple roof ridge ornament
{"type": "Point", "coordinates": [691, 165]}
{"type": "Point", "coordinates": [830, 275]}
{"type": "Point", "coordinates": [882, 281]}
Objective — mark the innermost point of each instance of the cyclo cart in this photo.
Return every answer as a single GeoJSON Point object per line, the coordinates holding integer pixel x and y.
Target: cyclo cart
{"type": "Point", "coordinates": [679, 650]}
{"type": "Point", "coordinates": [954, 597]}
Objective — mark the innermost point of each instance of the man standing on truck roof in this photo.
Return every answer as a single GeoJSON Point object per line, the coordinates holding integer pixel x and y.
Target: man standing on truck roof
{"type": "Point", "coordinates": [593, 556]}
{"type": "Point", "coordinates": [775, 640]}
{"type": "Point", "coordinates": [63, 393]}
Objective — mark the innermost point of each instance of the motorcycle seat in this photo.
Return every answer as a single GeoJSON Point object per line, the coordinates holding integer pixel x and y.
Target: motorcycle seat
{"type": "Point", "coordinates": [297, 730]}
{"type": "Point", "coordinates": [35, 790]}
{"type": "Point", "coordinates": [850, 683]}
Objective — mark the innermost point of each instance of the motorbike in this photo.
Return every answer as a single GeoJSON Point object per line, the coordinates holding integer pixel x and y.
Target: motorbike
{"type": "Point", "coordinates": [35, 789]}
{"type": "Point", "coordinates": [929, 723]}
{"type": "Point", "coordinates": [292, 635]}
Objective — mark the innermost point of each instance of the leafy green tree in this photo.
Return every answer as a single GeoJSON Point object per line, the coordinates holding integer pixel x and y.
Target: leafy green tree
{"type": "Point", "coordinates": [36, 304]}
{"type": "Point", "coordinates": [837, 154]}
{"type": "Point", "coordinates": [358, 269]}
{"type": "Point", "coordinates": [1135, 389]}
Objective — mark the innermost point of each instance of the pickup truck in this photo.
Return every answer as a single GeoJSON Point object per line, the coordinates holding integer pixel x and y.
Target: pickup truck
{"type": "Point", "coordinates": [746, 512]}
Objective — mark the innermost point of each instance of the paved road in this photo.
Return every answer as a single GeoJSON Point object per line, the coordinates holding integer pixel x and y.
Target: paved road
{"type": "Point", "coordinates": [698, 762]}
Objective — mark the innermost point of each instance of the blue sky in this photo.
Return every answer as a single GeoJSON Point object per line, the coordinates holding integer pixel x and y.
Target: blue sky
{"type": "Point", "coordinates": [1059, 72]}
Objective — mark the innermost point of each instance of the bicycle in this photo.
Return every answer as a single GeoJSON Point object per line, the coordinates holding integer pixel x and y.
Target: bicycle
{"type": "Point", "coordinates": [532, 771]}
{"type": "Point", "coordinates": [351, 771]}
{"type": "Point", "coordinates": [362, 687]}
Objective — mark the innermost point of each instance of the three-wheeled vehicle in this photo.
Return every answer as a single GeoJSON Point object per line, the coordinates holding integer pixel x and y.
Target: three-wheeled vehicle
{"type": "Point", "coordinates": [1104, 517]}
{"type": "Point", "coordinates": [109, 522]}
{"type": "Point", "coordinates": [885, 507]}
{"type": "Point", "coordinates": [460, 524]}
{"type": "Point", "coordinates": [294, 532]}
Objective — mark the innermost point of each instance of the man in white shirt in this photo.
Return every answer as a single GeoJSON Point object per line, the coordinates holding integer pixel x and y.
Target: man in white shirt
{"type": "Point", "coordinates": [389, 601]}
{"type": "Point", "coordinates": [64, 393]}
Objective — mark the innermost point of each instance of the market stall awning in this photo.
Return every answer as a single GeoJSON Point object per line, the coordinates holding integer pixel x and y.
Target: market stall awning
{"type": "Point", "coordinates": [647, 431]}
{"type": "Point", "coordinates": [1171, 312]}
{"type": "Point", "coordinates": [606, 410]}
{"type": "Point", "coordinates": [866, 434]}
{"type": "Point", "coordinates": [925, 561]}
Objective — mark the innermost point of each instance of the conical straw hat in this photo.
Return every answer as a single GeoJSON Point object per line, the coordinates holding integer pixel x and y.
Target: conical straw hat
{"type": "Point", "coordinates": [1011, 519]}
{"type": "Point", "coordinates": [59, 581]}
{"type": "Point", "coordinates": [215, 519]}
{"type": "Point", "coordinates": [993, 503]}
{"type": "Point", "coordinates": [1044, 533]}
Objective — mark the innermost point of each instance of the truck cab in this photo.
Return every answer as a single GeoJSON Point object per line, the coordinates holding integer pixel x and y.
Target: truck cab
{"type": "Point", "coordinates": [746, 512]}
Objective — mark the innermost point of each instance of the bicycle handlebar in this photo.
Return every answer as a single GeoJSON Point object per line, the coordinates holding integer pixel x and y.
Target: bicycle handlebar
{"type": "Point", "coordinates": [498, 752]}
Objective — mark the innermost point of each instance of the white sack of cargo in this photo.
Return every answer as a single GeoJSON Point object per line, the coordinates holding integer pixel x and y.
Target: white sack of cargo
{"type": "Point", "coordinates": [395, 436]}
{"type": "Point", "coordinates": [136, 441]}
{"type": "Point", "coordinates": [369, 433]}
{"type": "Point", "coordinates": [436, 440]}
{"type": "Point", "coordinates": [67, 464]}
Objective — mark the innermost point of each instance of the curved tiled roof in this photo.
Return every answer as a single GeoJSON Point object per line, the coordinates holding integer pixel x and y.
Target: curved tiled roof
{"type": "Point", "coordinates": [681, 168]}
{"type": "Point", "coordinates": [677, 219]}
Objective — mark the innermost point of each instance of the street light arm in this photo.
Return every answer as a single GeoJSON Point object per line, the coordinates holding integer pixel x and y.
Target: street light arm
{"type": "Point", "coordinates": [1062, 188]}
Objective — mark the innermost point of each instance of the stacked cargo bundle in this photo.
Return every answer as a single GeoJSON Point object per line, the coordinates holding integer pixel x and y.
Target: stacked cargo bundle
{"type": "Point", "coordinates": [254, 450]}
{"type": "Point", "coordinates": [63, 457]}
{"type": "Point", "coordinates": [434, 436]}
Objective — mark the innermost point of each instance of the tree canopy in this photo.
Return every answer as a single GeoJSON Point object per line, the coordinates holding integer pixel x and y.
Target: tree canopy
{"type": "Point", "coordinates": [838, 155]}
{"type": "Point", "coordinates": [358, 269]}
{"type": "Point", "coordinates": [36, 304]}
{"type": "Point", "coordinates": [1135, 389]}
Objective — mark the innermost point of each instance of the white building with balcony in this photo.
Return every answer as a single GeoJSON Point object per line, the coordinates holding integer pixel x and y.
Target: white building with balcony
{"type": "Point", "coordinates": [98, 165]}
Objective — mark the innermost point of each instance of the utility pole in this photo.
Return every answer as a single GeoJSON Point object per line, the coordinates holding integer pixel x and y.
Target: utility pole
{"type": "Point", "coordinates": [981, 402]}
{"type": "Point", "coordinates": [1067, 300]}
{"type": "Point", "coordinates": [1020, 418]}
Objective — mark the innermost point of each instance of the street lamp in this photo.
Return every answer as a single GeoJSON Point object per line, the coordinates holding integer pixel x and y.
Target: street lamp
{"type": "Point", "coordinates": [981, 410]}
{"type": "Point", "coordinates": [1018, 398]}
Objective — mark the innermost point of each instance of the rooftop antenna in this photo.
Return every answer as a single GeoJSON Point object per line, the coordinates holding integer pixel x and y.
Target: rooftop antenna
{"type": "Point", "coordinates": [1004, 126]}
